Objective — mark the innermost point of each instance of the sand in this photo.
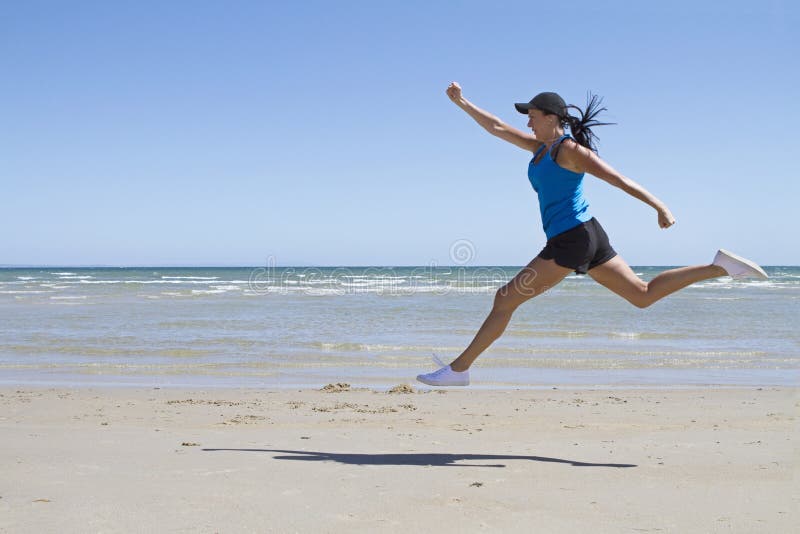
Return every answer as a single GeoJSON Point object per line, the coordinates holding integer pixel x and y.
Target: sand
{"type": "Point", "coordinates": [350, 460]}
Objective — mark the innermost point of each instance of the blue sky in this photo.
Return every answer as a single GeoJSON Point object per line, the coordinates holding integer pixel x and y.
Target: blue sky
{"type": "Point", "coordinates": [319, 133]}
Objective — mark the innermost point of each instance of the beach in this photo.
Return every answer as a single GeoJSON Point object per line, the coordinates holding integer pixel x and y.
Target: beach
{"type": "Point", "coordinates": [403, 459]}
{"type": "Point", "coordinates": [194, 400]}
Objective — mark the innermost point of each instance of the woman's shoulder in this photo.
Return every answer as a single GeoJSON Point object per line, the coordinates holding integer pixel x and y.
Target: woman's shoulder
{"type": "Point", "coordinates": [571, 146]}
{"type": "Point", "coordinates": [570, 154]}
{"type": "Point", "coordinates": [568, 141]}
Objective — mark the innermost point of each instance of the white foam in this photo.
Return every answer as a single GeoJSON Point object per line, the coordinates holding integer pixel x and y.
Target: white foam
{"type": "Point", "coordinates": [62, 273]}
{"type": "Point", "coordinates": [24, 292]}
{"type": "Point", "coordinates": [190, 277]}
{"type": "Point", "coordinates": [626, 335]}
{"type": "Point", "coordinates": [178, 282]}
{"type": "Point", "coordinates": [364, 347]}
{"type": "Point", "coordinates": [373, 283]}
{"type": "Point", "coordinates": [373, 277]}
{"type": "Point", "coordinates": [207, 291]}
{"type": "Point", "coordinates": [26, 278]}
{"type": "Point", "coordinates": [343, 290]}
{"type": "Point", "coordinates": [729, 283]}
{"type": "Point", "coordinates": [69, 297]}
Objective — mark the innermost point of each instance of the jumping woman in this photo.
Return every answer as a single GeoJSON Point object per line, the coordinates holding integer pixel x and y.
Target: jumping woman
{"type": "Point", "coordinates": [575, 240]}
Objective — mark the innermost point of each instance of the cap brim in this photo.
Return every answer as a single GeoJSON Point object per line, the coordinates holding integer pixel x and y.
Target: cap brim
{"type": "Point", "coordinates": [523, 108]}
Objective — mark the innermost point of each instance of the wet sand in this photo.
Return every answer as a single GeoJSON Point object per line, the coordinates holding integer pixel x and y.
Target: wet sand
{"type": "Point", "coordinates": [345, 460]}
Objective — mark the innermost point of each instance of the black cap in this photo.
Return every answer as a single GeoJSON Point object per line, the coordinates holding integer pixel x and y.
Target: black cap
{"type": "Point", "coordinates": [547, 102]}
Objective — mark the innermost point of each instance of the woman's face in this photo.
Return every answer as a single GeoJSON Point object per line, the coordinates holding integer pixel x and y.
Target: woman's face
{"type": "Point", "coordinates": [538, 121]}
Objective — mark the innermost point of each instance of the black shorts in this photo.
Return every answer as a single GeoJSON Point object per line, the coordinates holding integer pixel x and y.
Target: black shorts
{"type": "Point", "coordinates": [581, 248]}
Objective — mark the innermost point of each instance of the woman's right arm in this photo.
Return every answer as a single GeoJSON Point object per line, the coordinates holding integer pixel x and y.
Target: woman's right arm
{"type": "Point", "coordinates": [492, 124]}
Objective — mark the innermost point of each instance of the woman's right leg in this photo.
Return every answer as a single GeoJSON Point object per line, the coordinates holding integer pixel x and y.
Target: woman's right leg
{"type": "Point", "coordinates": [617, 276]}
{"type": "Point", "coordinates": [534, 279]}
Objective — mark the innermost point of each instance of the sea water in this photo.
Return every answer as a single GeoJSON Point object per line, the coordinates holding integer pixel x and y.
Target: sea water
{"type": "Point", "coordinates": [378, 326]}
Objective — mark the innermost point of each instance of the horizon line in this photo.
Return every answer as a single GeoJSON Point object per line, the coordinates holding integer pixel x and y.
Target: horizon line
{"type": "Point", "coordinates": [231, 266]}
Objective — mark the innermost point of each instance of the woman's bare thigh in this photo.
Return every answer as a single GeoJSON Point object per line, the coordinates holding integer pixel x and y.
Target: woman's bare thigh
{"type": "Point", "coordinates": [534, 279]}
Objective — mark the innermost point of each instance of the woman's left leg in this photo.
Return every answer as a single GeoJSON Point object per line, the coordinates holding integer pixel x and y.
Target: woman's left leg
{"type": "Point", "coordinates": [533, 280]}
{"type": "Point", "coordinates": [616, 275]}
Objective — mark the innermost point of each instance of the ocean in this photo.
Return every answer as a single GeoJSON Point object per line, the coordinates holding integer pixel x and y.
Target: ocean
{"type": "Point", "coordinates": [275, 327]}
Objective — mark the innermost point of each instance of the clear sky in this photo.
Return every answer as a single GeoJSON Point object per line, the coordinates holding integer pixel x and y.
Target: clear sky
{"type": "Point", "coordinates": [319, 133]}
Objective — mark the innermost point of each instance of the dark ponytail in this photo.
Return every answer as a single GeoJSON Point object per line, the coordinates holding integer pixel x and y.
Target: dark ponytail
{"type": "Point", "coordinates": [581, 128]}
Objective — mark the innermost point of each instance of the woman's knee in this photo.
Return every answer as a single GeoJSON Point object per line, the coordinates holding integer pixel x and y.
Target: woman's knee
{"type": "Point", "coordinates": [640, 297]}
{"type": "Point", "coordinates": [509, 297]}
{"type": "Point", "coordinates": [505, 299]}
{"type": "Point", "coordinates": [539, 276]}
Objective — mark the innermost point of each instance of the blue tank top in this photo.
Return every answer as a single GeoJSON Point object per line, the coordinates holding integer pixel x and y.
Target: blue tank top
{"type": "Point", "coordinates": [560, 191]}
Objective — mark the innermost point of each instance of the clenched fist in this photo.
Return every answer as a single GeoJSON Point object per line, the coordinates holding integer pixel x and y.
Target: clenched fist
{"type": "Point", "coordinates": [454, 91]}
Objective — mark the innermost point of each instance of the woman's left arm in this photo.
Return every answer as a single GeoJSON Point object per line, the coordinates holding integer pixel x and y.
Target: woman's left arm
{"type": "Point", "coordinates": [581, 159]}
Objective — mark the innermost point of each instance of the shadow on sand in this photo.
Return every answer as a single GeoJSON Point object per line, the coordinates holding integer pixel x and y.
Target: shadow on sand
{"type": "Point", "coordinates": [421, 459]}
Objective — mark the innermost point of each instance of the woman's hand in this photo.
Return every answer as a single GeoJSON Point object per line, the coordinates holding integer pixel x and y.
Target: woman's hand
{"type": "Point", "coordinates": [665, 218]}
{"type": "Point", "coordinates": [454, 91]}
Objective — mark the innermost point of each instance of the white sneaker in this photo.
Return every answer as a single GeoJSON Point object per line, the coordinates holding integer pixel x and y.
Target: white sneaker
{"type": "Point", "coordinates": [738, 267]}
{"type": "Point", "coordinates": [445, 376]}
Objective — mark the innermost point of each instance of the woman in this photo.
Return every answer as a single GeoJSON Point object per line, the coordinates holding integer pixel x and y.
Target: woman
{"type": "Point", "coordinates": [575, 240]}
